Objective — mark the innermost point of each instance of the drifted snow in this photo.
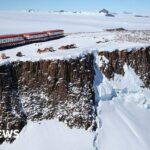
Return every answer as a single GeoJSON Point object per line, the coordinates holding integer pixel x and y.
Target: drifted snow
{"type": "Point", "coordinates": [51, 135]}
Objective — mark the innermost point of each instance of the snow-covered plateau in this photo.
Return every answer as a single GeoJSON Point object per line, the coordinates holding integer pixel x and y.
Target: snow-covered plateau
{"type": "Point", "coordinates": [120, 84]}
{"type": "Point", "coordinates": [84, 22]}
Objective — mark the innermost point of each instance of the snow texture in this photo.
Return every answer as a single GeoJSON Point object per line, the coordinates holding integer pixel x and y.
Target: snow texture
{"type": "Point", "coordinates": [51, 135]}
{"type": "Point", "coordinates": [123, 113]}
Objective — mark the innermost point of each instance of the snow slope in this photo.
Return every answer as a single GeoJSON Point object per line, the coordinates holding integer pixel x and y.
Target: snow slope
{"type": "Point", "coordinates": [124, 126]}
{"type": "Point", "coordinates": [123, 112]}
{"type": "Point", "coordinates": [51, 135]}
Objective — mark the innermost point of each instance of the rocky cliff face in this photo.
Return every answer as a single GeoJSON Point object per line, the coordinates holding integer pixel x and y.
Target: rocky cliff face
{"type": "Point", "coordinates": [48, 89]}
{"type": "Point", "coordinates": [61, 89]}
{"type": "Point", "coordinates": [139, 60]}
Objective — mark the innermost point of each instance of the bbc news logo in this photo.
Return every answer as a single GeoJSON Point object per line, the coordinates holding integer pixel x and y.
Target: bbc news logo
{"type": "Point", "coordinates": [9, 134]}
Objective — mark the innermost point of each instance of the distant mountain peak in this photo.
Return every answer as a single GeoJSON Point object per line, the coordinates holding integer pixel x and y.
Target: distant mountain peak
{"type": "Point", "coordinates": [106, 13]}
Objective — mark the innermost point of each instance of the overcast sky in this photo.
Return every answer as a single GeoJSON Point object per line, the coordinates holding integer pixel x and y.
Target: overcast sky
{"type": "Point", "coordinates": [86, 5]}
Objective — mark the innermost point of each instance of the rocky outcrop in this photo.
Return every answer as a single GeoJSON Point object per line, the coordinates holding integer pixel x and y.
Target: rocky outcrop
{"type": "Point", "coordinates": [106, 12]}
{"type": "Point", "coordinates": [138, 59]}
{"type": "Point", "coordinates": [48, 89]}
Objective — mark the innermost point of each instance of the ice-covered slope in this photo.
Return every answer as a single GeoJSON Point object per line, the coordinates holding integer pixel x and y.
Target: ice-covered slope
{"type": "Point", "coordinates": [124, 126]}
{"type": "Point", "coordinates": [17, 22]}
{"type": "Point", "coordinates": [123, 117]}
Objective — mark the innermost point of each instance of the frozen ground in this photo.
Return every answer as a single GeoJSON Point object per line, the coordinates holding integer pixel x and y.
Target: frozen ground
{"type": "Point", "coordinates": [123, 114]}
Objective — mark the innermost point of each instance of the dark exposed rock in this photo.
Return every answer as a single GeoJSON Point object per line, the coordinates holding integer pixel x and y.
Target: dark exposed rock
{"type": "Point", "coordinates": [49, 49]}
{"type": "Point", "coordinates": [61, 89]}
{"type": "Point", "coordinates": [47, 89]}
{"type": "Point", "coordinates": [102, 41]}
{"type": "Point", "coordinates": [141, 16]}
{"type": "Point", "coordinates": [62, 11]}
{"type": "Point", "coordinates": [19, 54]}
{"type": "Point", "coordinates": [110, 15]}
{"type": "Point", "coordinates": [71, 46]}
{"type": "Point", "coordinates": [116, 29]}
{"type": "Point", "coordinates": [106, 12]}
{"type": "Point", "coordinates": [139, 60]}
